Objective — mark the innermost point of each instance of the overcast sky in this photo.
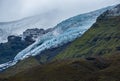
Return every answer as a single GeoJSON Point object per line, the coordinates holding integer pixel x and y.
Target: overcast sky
{"type": "Point", "coordinates": [16, 9]}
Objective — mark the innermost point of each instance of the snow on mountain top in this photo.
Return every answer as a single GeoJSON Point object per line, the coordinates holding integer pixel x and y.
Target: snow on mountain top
{"type": "Point", "coordinates": [18, 27]}
{"type": "Point", "coordinates": [63, 33]}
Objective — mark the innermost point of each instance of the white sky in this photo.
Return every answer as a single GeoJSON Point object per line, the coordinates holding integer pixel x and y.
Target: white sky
{"type": "Point", "coordinates": [16, 9]}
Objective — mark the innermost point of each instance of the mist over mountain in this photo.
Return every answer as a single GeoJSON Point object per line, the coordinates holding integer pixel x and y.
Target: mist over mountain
{"type": "Point", "coordinates": [63, 33]}
{"type": "Point", "coordinates": [86, 44]}
{"type": "Point", "coordinates": [59, 40]}
{"type": "Point", "coordinates": [12, 10]}
{"type": "Point", "coordinates": [44, 14]}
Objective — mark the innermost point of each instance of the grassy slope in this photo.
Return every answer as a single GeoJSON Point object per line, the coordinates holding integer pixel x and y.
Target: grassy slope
{"type": "Point", "coordinates": [19, 67]}
{"type": "Point", "coordinates": [103, 38]}
{"type": "Point", "coordinates": [73, 70]}
{"type": "Point", "coordinates": [9, 49]}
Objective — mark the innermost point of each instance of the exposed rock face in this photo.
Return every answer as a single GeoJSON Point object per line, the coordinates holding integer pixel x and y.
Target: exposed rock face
{"type": "Point", "coordinates": [112, 12]}
{"type": "Point", "coordinates": [115, 11]}
{"type": "Point", "coordinates": [63, 33]}
{"type": "Point", "coordinates": [14, 45]}
{"type": "Point", "coordinates": [13, 38]}
{"type": "Point", "coordinates": [35, 33]}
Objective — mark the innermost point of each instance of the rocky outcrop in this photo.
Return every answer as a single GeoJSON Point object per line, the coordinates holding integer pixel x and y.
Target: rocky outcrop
{"type": "Point", "coordinates": [112, 12]}
{"type": "Point", "coordinates": [63, 33]}
{"type": "Point", "coordinates": [14, 45]}
{"type": "Point", "coordinates": [35, 33]}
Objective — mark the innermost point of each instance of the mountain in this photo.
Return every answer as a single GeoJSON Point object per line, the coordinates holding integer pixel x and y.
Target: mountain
{"type": "Point", "coordinates": [102, 39]}
{"type": "Point", "coordinates": [61, 34]}
{"type": "Point", "coordinates": [15, 44]}
{"type": "Point", "coordinates": [35, 33]}
{"type": "Point", "coordinates": [89, 69]}
{"type": "Point", "coordinates": [70, 66]}
{"type": "Point", "coordinates": [16, 27]}
{"type": "Point", "coordinates": [45, 20]}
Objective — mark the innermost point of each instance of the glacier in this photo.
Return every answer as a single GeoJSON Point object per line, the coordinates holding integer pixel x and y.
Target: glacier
{"type": "Point", "coordinates": [45, 20]}
{"type": "Point", "coordinates": [63, 33]}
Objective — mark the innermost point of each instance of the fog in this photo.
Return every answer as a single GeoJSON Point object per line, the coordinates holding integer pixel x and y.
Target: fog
{"type": "Point", "coordinates": [11, 10]}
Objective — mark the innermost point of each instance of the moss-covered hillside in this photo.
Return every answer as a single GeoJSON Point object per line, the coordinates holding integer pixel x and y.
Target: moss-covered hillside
{"type": "Point", "coordinates": [89, 69]}
{"type": "Point", "coordinates": [100, 47]}
{"type": "Point", "coordinates": [103, 38]}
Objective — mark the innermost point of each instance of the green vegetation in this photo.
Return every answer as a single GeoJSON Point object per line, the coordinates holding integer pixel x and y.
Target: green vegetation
{"type": "Point", "coordinates": [92, 69]}
{"type": "Point", "coordinates": [99, 47]}
{"type": "Point", "coordinates": [19, 67]}
{"type": "Point", "coordinates": [103, 38]}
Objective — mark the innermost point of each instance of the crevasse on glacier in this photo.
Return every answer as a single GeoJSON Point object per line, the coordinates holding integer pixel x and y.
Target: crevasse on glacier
{"type": "Point", "coordinates": [63, 33]}
{"type": "Point", "coordinates": [48, 43]}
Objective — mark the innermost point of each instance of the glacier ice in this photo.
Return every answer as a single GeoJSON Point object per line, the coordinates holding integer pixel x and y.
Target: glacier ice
{"type": "Point", "coordinates": [19, 26]}
{"type": "Point", "coordinates": [63, 33]}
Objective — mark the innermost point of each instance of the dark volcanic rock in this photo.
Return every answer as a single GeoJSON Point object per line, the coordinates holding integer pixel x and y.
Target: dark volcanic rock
{"type": "Point", "coordinates": [14, 45]}
{"type": "Point", "coordinates": [34, 33]}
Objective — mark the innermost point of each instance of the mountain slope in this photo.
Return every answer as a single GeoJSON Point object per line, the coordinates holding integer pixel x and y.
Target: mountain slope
{"type": "Point", "coordinates": [14, 45]}
{"type": "Point", "coordinates": [94, 69]}
{"type": "Point", "coordinates": [63, 33]}
{"type": "Point", "coordinates": [103, 38]}
{"type": "Point", "coordinates": [19, 26]}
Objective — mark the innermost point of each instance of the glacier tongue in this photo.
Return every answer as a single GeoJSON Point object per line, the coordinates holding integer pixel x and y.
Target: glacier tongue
{"type": "Point", "coordinates": [63, 33]}
{"type": "Point", "coordinates": [50, 43]}
{"type": "Point", "coordinates": [40, 45]}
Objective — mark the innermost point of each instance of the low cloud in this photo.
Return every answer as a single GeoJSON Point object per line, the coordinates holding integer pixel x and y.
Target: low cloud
{"type": "Point", "coordinates": [16, 9]}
